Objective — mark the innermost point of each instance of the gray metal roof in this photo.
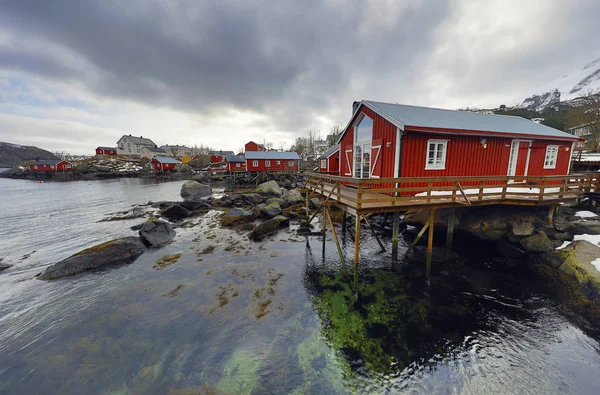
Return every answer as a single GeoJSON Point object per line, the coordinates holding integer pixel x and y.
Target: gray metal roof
{"type": "Point", "coordinates": [235, 158]}
{"type": "Point", "coordinates": [272, 155]}
{"type": "Point", "coordinates": [112, 148]}
{"type": "Point", "coordinates": [47, 162]}
{"type": "Point", "coordinates": [415, 117]}
{"type": "Point", "coordinates": [154, 149]}
{"type": "Point", "coordinates": [139, 140]}
{"type": "Point", "coordinates": [330, 151]}
{"type": "Point", "coordinates": [166, 159]}
{"type": "Point", "coordinates": [221, 152]}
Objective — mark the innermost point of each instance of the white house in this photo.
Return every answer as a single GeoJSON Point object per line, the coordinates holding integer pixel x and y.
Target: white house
{"type": "Point", "coordinates": [132, 145]}
{"type": "Point", "coordinates": [151, 152]}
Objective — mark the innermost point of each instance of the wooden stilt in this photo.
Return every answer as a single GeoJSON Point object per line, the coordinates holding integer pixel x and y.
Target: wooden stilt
{"type": "Point", "coordinates": [450, 233]}
{"type": "Point", "coordinates": [421, 233]}
{"type": "Point", "coordinates": [356, 250]}
{"type": "Point", "coordinates": [430, 246]}
{"type": "Point", "coordinates": [551, 211]}
{"type": "Point", "coordinates": [344, 215]}
{"type": "Point", "coordinates": [373, 233]}
{"type": "Point", "coordinates": [395, 235]}
{"type": "Point", "coordinates": [337, 242]}
{"type": "Point", "coordinates": [323, 228]}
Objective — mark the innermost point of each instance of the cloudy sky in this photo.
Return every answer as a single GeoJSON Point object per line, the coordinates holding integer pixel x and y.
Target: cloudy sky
{"type": "Point", "coordinates": [76, 74]}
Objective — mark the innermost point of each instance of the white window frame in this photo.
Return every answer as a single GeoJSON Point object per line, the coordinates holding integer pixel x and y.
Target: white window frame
{"type": "Point", "coordinates": [35, 167]}
{"type": "Point", "coordinates": [278, 162]}
{"type": "Point", "coordinates": [267, 163]}
{"type": "Point", "coordinates": [323, 163]}
{"type": "Point", "coordinates": [366, 146]}
{"type": "Point", "coordinates": [237, 165]}
{"type": "Point", "coordinates": [551, 157]}
{"type": "Point", "coordinates": [52, 166]}
{"type": "Point", "coordinates": [254, 163]}
{"type": "Point", "coordinates": [291, 163]}
{"type": "Point", "coordinates": [435, 166]}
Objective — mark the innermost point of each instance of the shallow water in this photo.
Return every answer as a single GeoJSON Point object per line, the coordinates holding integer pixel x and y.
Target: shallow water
{"type": "Point", "coordinates": [270, 317]}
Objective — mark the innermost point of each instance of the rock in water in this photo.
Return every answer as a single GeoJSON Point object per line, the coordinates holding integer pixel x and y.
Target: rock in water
{"type": "Point", "coordinates": [268, 227]}
{"type": "Point", "coordinates": [194, 191]}
{"type": "Point", "coordinates": [315, 202]}
{"type": "Point", "coordinates": [521, 226]}
{"type": "Point", "coordinates": [176, 212]}
{"type": "Point", "coordinates": [270, 210]}
{"type": "Point", "coordinates": [156, 233]}
{"type": "Point", "coordinates": [539, 242]}
{"type": "Point", "coordinates": [294, 196]}
{"type": "Point", "coordinates": [236, 217]}
{"type": "Point", "coordinates": [282, 202]}
{"type": "Point", "coordinates": [268, 188]}
{"type": "Point", "coordinates": [114, 252]}
{"type": "Point", "coordinates": [252, 198]}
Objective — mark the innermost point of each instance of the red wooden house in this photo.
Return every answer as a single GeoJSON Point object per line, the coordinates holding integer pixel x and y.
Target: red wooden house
{"type": "Point", "coordinates": [106, 151]}
{"type": "Point", "coordinates": [253, 147]}
{"type": "Point", "coordinates": [219, 156]}
{"type": "Point", "coordinates": [51, 165]}
{"type": "Point", "coordinates": [272, 161]}
{"type": "Point", "coordinates": [164, 163]}
{"type": "Point", "coordinates": [329, 162]}
{"type": "Point", "coordinates": [391, 140]}
{"type": "Point", "coordinates": [236, 163]}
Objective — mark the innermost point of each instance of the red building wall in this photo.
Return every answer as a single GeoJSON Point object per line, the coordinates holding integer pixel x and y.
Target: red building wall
{"type": "Point", "coordinates": [253, 147]}
{"type": "Point", "coordinates": [216, 158]}
{"type": "Point", "coordinates": [282, 166]}
{"type": "Point", "coordinates": [383, 132]}
{"type": "Point", "coordinates": [100, 151]}
{"type": "Point", "coordinates": [332, 165]}
{"type": "Point", "coordinates": [162, 166]}
{"type": "Point", "coordinates": [232, 166]}
{"type": "Point", "coordinates": [62, 166]}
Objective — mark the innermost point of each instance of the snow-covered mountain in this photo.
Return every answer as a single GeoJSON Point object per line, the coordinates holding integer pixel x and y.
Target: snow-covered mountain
{"type": "Point", "coordinates": [567, 89]}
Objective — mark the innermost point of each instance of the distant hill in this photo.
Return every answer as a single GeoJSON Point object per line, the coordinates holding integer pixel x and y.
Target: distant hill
{"type": "Point", "coordinates": [14, 154]}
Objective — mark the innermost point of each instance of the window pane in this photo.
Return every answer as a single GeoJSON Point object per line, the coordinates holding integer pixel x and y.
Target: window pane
{"type": "Point", "coordinates": [366, 162]}
{"type": "Point", "coordinates": [364, 131]}
{"type": "Point", "coordinates": [357, 160]}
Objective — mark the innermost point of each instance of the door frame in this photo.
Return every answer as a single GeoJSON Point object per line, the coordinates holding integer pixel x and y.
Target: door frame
{"type": "Point", "coordinates": [512, 167]}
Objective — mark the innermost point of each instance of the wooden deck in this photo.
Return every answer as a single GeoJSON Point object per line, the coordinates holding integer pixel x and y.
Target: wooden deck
{"type": "Point", "coordinates": [366, 196]}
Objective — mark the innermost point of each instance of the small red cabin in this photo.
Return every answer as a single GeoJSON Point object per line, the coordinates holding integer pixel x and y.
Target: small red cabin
{"type": "Point", "coordinates": [251, 146]}
{"type": "Point", "coordinates": [272, 161]}
{"type": "Point", "coordinates": [236, 163]}
{"type": "Point", "coordinates": [51, 165]}
{"type": "Point", "coordinates": [392, 140]}
{"type": "Point", "coordinates": [164, 163]}
{"type": "Point", "coordinates": [329, 162]}
{"type": "Point", "coordinates": [219, 156]}
{"type": "Point", "coordinates": [106, 151]}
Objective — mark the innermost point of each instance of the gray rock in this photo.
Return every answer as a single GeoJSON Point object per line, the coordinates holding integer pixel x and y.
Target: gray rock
{"type": "Point", "coordinates": [269, 227]}
{"type": "Point", "coordinates": [257, 209]}
{"type": "Point", "coordinates": [156, 233]}
{"type": "Point", "coordinates": [282, 202]}
{"type": "Point", "coordinates": [287, 184]}
{"type": "Point", "coordinates": [268, 188]}
{"type": "Point", "coordinates": [521, 226]}
{"type": "Point", "coordinates": [195, 191]}
{"type": "Point", "coordinates": [196, 205]}
{"type": "Point", "coordinates": [315, 202]}
{"type": "Point", "coordinates": [270, 210]}
{"type": "Point", "coordinates": [236, 217]}
{"type": "Point", "coordinates": [114, 252]}
{"type": "Point", "coordinates": [539, 242]}
{"type": "Point", "coordinates": [294, 196]}
{"type": "Point", "coordinates": [176, 212]}
{"type": "Point", "coordinates": [252, 198]}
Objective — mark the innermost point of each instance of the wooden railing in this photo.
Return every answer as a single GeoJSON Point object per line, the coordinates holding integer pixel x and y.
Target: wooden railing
{"type": "Point", "coordinates": [358, 193]}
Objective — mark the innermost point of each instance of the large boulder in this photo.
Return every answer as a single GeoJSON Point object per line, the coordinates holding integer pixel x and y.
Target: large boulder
{"type": "Point", "coordinates": [252, 198]}
{"type": "Point", "coordinates": [156, 233]}
{"type": "Point", "coordinates": [539, 242]}
{"type": "Point", "coordinates": [196, 205]}
{"type": "Point", "coordinates": [270, 210]}
{"type": "Point", "coordinates": [522, 226]}
{"type": "Point", "coordinates": [236, 217]}
{"type": "Point", "coordinates": [268, 188]}
{"type": "Point", "coordinates": [195, 191]}
{"type": "Point", "coordinates": [282, 202]}
{"type": "Point", "coordinates": [114, 252]}
{"type": "Point", "coordinates": [269, 227]}
{"type": "Point", "coordinates": [294, 196]}
{"type": "Point", "coordinates": [315, 202]}
{"type": "Point", "coordinates": [176, 212]}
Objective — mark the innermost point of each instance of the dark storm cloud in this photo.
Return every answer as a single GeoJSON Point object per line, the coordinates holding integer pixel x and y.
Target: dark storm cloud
{"type": "Point", "coordinates": [289, 60]}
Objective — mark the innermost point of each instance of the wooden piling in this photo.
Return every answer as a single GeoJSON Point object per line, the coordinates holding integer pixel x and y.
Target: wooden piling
{"type": "Point", "coordinates": [430, 246]}
{"type": "Point", "coordinates": [551, 214]}
{"type": "Point", "coordinates": [356, 249]}
{"type": "Point", "coordinates": [416, 240]}
{"type": "Point", "coordinates": [323, 228]}
{"type": "Point", "coordinates": [344, 215]}
{"type": "Point", "coordinates": [395, 235]}
{"type": "Point", "coordinates": [450, 233]}
{"type": "Point", "coordinates": [333, 232]}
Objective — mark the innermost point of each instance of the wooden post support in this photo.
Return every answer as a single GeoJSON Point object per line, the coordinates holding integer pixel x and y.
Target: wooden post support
{"type": "Point", "coordinates": [450, 234]}
{"type": "Point", "coordinates": [344, 218]}
{"type": "Point", "coordinates": [337, 242]}
{"type": "Point", "coordinates": [551, 214]}
{"type": "Point", "coordinates": [430, 246]}
{"type": "Point", "coordinates": [373, 233]}
{"type": "Point", "coordinates": [356, 249]}
{"type": "Point", "coordinates": [395, 235]}
{"type": "Point", "coordinates": [416, 240]}
{"type": "Point", "coordinates": [323, 228]}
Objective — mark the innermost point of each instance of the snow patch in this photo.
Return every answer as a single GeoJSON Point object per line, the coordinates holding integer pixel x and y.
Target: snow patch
{"type": "Point", "coordinates": [475, 191]}
{"type": "Point", "coordinates": [596, 264]}
{"type": "Point", "coordinates": [594, 239]}
{"type": "Point", "coordinates": [585, 214]}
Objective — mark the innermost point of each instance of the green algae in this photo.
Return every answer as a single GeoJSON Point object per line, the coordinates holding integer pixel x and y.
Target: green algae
{"type": "Point", "coordinates": [97, 248]}
{"type": "Point", "coordinates": [174, 292]}
{"type": "Point", "coordinates": [240, 373]}
{"type": "Point", "coordinates": [166, 260]}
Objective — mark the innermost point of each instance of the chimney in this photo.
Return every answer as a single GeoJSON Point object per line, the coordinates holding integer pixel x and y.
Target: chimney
{"type": "Point", "coordinates": [355, 106]}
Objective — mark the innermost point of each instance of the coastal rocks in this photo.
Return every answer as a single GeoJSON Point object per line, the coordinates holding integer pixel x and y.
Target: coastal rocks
{"type": "Point", "coordinates": [156, 233]}
{"type": "Point", "coordinates": [196, 205]}
{"type": "Point", "coordinates": [270, 210]}
{"type": "Point", "coordinates": [522, 226]}
{"type": "Point", "coordinates": [268, 188]}
{"type": "Point", "coordinates": [236, 217]}
{"type": "Point", "coordinates": [269, 227]}
{"type": "Point", "coordinates": [195, 191]}
{"type": "Point", "coordinates": [114, 252]}
{"type": "Point", "coordinates": [537, 243]}
{"type": "Point", "coordinates": [294, 196]}
{"type": "Point", "coordinates": [282, 202]}
{"type": "Point", "coordinates": [252, 198]}
{"type": "Point", "coordinates": [315, 202]}
{"type": "Point", "coordinates": [176, 212]}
